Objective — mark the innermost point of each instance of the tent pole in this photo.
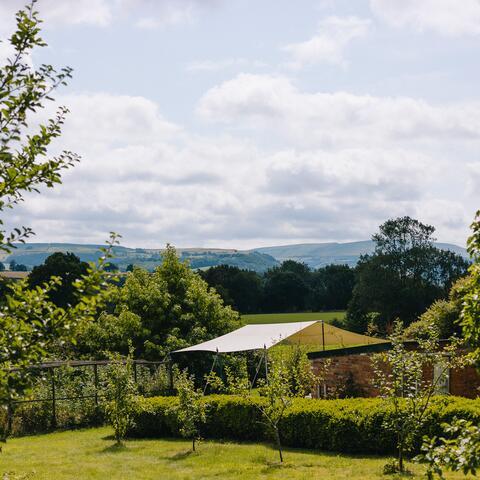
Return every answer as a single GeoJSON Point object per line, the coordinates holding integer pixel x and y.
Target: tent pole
{"type": "Point", "coordinates": [266, 362]}
{"type": "Point", "coordinates": [252, 384]}
{"type": "Point", "coordinates": [211, 370]}
{"type": "Point", "coordinates": [323, 335]}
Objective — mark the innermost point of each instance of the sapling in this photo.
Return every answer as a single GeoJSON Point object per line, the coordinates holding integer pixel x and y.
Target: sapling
{"type": "Point", "coordinates": [191, 409]}
{"type": "Point", "coordinates": [401, 380]}
{"type": "Point", "coordinates": [120, 394]}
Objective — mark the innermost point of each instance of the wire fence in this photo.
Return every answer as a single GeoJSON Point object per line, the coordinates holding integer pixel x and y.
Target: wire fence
{"type": "Point", "coordinates": [79, 380]}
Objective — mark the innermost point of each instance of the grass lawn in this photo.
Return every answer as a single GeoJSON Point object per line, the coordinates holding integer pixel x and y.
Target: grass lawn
{"type": "Point", "coordinates": [90, 454]}
{"type": "Point", "coordinates": [292, 317]}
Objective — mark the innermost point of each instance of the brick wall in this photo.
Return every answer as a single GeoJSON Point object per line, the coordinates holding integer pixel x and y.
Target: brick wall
{"type": "Point", "coordinates": [352, 375]}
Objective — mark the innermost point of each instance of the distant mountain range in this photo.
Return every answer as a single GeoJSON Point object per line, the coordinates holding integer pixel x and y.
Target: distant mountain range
{"type": "Point", "coordinates": [319, 254]}
{"type": "Point", "coordinates": [259, 259]}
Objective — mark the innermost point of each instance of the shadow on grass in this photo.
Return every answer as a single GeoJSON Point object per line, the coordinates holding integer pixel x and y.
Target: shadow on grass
{"type": "Point", "coordinates": [180, 456]}
{"type": "Point", "coordinates": [115, 448]}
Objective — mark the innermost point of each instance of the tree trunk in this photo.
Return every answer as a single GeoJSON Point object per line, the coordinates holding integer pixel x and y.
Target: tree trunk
{"type": "Point", "coordinates": [400, 456]}
{"type": "Point", "coordinates": [279, 445]}
{"type": "Point", "coordinates": [193, 444]}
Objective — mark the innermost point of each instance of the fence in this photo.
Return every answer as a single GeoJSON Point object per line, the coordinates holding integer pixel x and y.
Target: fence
{"type": "Point", "coordinates": [50, 368]}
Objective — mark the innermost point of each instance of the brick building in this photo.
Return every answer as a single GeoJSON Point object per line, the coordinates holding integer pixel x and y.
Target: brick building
{"type": "Point", "coordinates": [350, 373]}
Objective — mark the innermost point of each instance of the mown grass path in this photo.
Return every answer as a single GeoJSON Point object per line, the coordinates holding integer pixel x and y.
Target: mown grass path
{"type": "Point", "coordinates": [91, 454]}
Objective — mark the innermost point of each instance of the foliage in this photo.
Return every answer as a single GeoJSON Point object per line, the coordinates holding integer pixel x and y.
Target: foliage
{"type": "Point", "coordinates": [461, 451]}
{"type": "Point", "coordinates": [241, 289]}
{"type": "Point", "coordinates": [120, 394]}
{"type": "Point", "coordinates": [471, 293]}
{"type": "Point", "coordinates": [30, 324]}
{"type": "Point", "coordinates": [175, 306]}
{"type": "Point", "coordinates": [65, 266]}
{"type": "Point", "coordinates": [299, 376]}
{"type": "Point", "coordinates": [404, 275]}
{"type": "Point", "coordinates": [24, 165]}
{"type": "Point", "coordinates": [190, 410]}
{"type": "Point", "coordinates": [292, 286]}
{"type": "Point", "coordinates": [354, 425]}
{"type": "Point", "coordinates": [443, 314]}
{"type": "Point", "coordinates": [400, 376]}
{"type": "Point", "coordinates": [285, 288]}
{"type": "Point", "coordinates": [109, 333]}
{"type": "Point", "coordinates": [331, 287]}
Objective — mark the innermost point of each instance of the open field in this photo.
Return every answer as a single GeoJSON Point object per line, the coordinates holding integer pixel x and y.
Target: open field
{"type": "Point", "coordinates": [292, 317]}
{"type": "Point", "coordinates": [91, 455]}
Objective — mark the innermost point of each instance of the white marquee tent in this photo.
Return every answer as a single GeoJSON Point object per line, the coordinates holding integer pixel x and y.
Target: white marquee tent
{"type": "Point", "coordinates": [264, 336]}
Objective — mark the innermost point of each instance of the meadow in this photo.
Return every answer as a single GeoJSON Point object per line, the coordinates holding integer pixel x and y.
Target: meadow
{"type": "Point", "coordinates": [293, 317]}
{"type": "Point", "coordinates": [91, 455]}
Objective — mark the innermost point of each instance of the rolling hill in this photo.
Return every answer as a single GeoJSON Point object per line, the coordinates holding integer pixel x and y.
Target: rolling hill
{"type": "Point", "coordinates": [260, 259]}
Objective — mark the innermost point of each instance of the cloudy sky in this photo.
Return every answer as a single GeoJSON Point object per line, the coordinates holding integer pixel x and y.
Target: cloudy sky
{"type": "Point", "coordinates": [244, 123]}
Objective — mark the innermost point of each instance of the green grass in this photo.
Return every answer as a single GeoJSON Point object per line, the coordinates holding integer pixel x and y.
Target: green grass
{"type": "Point", "coordinates": [292, 317]}
{"type": "Point", "coordinates": [91, 455]}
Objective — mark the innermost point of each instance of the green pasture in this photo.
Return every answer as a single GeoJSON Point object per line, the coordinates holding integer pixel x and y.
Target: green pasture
{"type": "Point", "coordinates": [91, 455]}
{"type": "Point", "coordinates": [293, 317]}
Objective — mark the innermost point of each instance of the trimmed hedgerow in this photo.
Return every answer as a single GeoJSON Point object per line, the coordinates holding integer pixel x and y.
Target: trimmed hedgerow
{"type": "Point", "coordinates": [349, 426]}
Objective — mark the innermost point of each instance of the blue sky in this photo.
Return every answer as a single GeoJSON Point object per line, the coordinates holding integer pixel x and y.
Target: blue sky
{"type": "Point", "coordinates": [244, 123]}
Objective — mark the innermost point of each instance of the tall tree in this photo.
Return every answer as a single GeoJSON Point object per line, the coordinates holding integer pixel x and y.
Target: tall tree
{"type": "Point", "coordinates": [30, 324]}
{"type": "Point", "coordinates": [175, 306]}
{"type": "Point", "coordinates": [242, 289]}
{"type": "Point", "coordinates": [67, 267]}
{"type": "Point", "coordinates": [404, 275]}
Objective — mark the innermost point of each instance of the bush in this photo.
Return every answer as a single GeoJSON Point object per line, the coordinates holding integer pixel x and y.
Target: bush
{"type": "Point", "coordinates": [347, 426]}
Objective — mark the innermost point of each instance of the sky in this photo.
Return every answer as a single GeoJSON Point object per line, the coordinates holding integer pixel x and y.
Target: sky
{"type": "Point", "coordinates": [246, 123]}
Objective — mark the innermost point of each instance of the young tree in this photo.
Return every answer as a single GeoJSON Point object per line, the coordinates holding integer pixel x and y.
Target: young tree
{"type": "Point", "coordinates": [191, 408]}
{"type": "Point", "coordinates": [460, 451]}
{"type": "Point", "coordinates": [30, 324]}
{"type": "Point", "coordinates": [401, 380]}
{"type": "Point", "coordinates": [277, 396]}
{"type": "Point", "coordinates": [120, 394]}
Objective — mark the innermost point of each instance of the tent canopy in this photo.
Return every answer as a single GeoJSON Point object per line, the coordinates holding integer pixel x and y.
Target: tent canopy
{"type": "Point", "coordinates": [259, 336]}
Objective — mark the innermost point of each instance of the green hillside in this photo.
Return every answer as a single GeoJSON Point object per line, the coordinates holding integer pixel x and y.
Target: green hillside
{"type": "Point", "coordinates": [35, 253]}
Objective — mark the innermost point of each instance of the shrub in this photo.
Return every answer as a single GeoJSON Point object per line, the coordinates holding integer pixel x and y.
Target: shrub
{"type": "Point", "coordinates": [347, 426]}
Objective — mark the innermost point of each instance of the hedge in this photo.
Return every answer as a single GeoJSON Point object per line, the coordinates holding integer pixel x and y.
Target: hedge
{"type": "Point", "coordinates": [346, 426]}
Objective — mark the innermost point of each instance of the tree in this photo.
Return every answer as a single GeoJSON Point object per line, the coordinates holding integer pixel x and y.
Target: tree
{"type": "Point", "coordinates": [175, 306]}
{"type": "Point", "coordinates": [401, 380]}
{"type": "Point", "coordinates": [285, 291]}
{"type": "Point", "coordinates": [331, 287]}
{"type": "Point", "coordinates": [120, 394]}
{"type": "Point", "coordinates": [67, 267]}
{"type": "Point", "coordinates": [403, 276]}
{"type": "Point", "coordinates": [460, 451]}
{"type": "Point", "coordinates": [30, 324]}
{"type": "Point", "coordinates": [241, 289]}
{"type": "Point", "coordinates": [191, 409]}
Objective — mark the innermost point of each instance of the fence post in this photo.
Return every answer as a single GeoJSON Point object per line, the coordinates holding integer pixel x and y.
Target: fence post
{"type": "Point", "coordinates": [54, 403]}
{"type": "Point", "coordinates": [9, 416]}
{"type": "Point", "coordinates": [170, 375]}
{"type": "Point", "coordinates": [95, 379]}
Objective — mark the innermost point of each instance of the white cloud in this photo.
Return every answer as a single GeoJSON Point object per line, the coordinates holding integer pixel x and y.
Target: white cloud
{"type": "Point", "coordinates": [142, 13]}
{"type": "Point", "coordinates": [154, 182]}
{"type": "Point", "coordinates": [449, 17]}
{"type": "Point", "coordinates": [332, 119]}
{"type": "Point", "coordinates": [328, 45]}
